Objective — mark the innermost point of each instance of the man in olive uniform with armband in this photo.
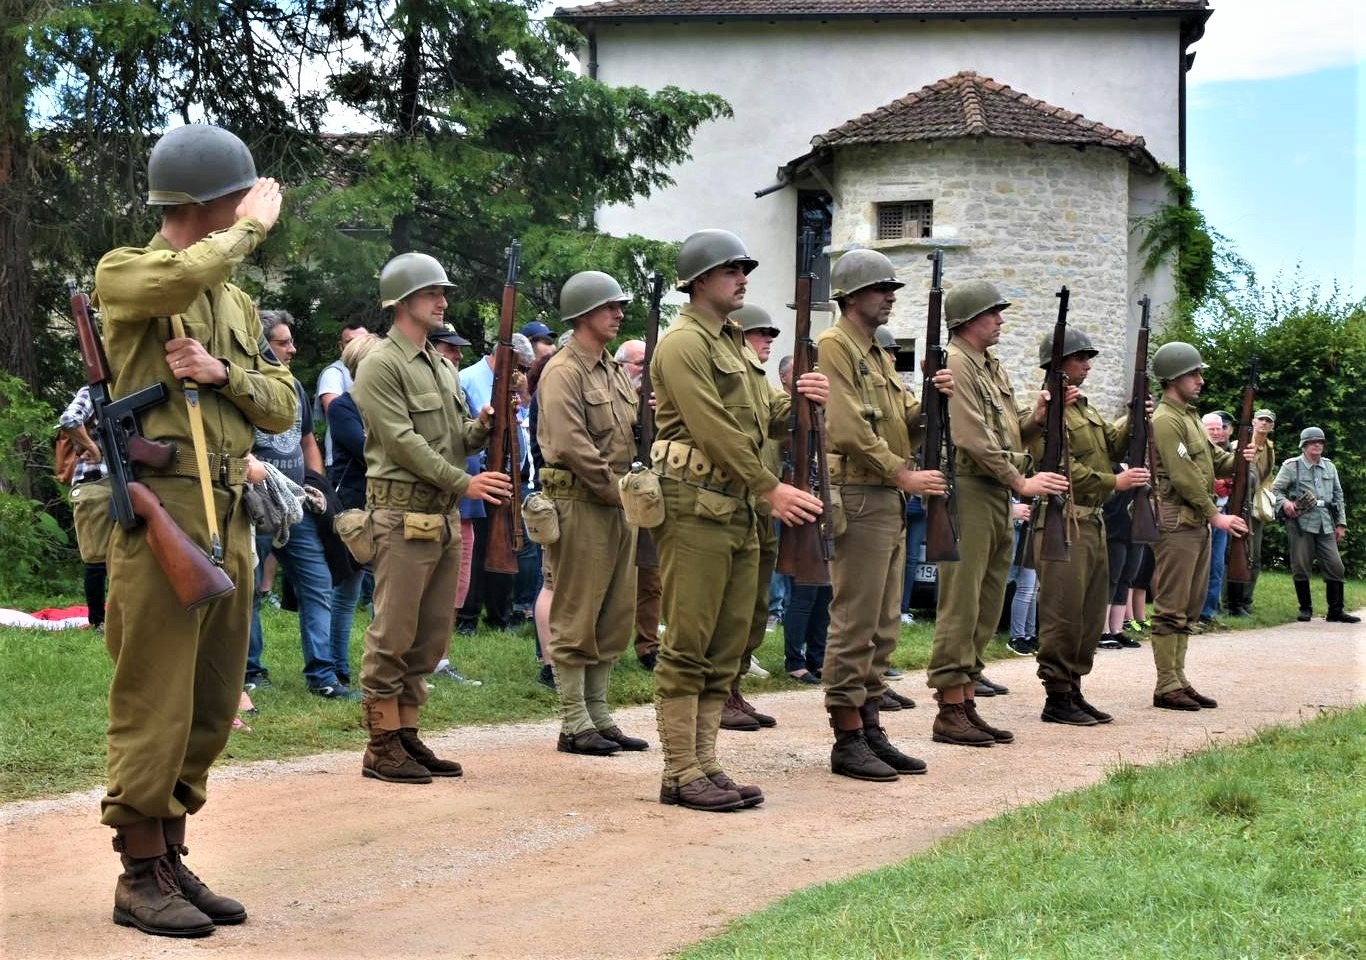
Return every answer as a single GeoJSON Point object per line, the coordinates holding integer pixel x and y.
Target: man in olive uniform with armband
{"type": "Point", "coordinates": [990, 432]}
{"type": "Point", "coordinates": [178, 673]}
{"type": "Point", "coordinates": [586, 433]}
{"type": "Point", "coordinates": [872, 431]}
{"type": "Point", "coordinates": [416, 442]}
{"type": "Point", "coordinates": [709, 429]}
{"type": "Point", "coordinates": [1074, 594]}
{"type": "Point", "coordinates": [1186, 465]}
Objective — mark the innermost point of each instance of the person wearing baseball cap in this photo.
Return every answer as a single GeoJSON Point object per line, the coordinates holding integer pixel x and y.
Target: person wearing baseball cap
{"type": "Point", "coordinates": [541, 339]}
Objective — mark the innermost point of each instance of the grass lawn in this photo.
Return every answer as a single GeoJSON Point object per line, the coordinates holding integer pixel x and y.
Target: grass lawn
{"type": "Point", "coordinates": [53, 688]}
{"type": "Point", "coordinates": [1256, 850]}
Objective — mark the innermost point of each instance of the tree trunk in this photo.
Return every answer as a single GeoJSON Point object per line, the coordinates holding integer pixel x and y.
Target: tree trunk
{"type": "Point", "coordinates": [16, 265]}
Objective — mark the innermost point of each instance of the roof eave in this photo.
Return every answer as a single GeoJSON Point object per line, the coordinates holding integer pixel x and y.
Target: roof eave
{"type": "Point", "coordinates": [1193, 21]}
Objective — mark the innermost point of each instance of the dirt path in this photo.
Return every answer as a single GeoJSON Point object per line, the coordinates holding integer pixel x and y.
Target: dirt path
{"type": "Point", "coordinates": [540, 854]}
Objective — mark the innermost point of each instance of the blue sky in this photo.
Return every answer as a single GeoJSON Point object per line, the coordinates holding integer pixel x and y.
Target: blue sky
{"type": "Point", "coordinates": [1276, 141]}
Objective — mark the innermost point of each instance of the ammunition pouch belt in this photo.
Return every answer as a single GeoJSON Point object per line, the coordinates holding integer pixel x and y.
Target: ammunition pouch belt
{"type": "Point", "coordinates": [679, 461]}
{"type": "Point", "coordinates": [561, 484]}
{"type": "Point", "coordinates": [846, 470]}
{"type": "Point", "coordinates": [226, 470]}
{"type": "Point", "coordinates": [408, 496]}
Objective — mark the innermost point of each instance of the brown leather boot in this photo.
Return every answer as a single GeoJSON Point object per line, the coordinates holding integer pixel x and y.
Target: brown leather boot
{"type": "Point", "coordinates": [1206, 703]}
{"type": "Point", "coordinates": [763, 719]}
{"type": "Point", "coordinates": [223, 911]}
{"type": "Point", "coordinates": [734, 717]}
{"type": "Point", "coordinates": [852, 756]}
{"type": "Point", "coordinates": [1060, 708]}
{"type": "Point", "coordinates": [1174, 700]}
{"type": "Point", "coordinates": [974, 718]}
{"type": "Point", "coordinates": [148, 894]}
{"type": "Point", "coordinates": [882, 748]}
{"type": "Point", "coordinates": [1100, 715]}
{"type": "Point", "coordinates": [386, 759]}
{"type": "Point", "coordinates": [420, 752]}
{"type": "Point", "coordinates": [701, 794]}
{"type": "Point", "coordinates": [623, 740]}
{"type": "Point", "coordinates": [951, 725]}
{"type": "Point", "coordinates": [750, 795]}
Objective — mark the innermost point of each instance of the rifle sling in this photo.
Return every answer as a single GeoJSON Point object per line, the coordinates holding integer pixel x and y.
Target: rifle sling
{"type": "Point", "coordinates": [201, 452]}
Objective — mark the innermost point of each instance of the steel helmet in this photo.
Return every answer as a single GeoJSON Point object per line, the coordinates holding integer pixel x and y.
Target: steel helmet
{"type": "Point", "coordinates": [710, 248]}
{"type": "Point", "coordinates": [970, 300]}
{"type": "Point", "coordinates": [1310, 434]}
{"type": "Point", "coordinates": [858, 269]}
{"type": "Point", "coordinates": [1074, 340]}
{"type": "Point", "coordinates": [1176, 359]}
{"type": "Point", "coordinates": [884, 338]}
{"type": "Point", "coordinates": [408, 273]}
{"type": "Point", "coordinates": [197, 163]}
{"type": "Point", "coordinates": [587, 291]}
{"type": "Point", "coordinates": [753, 317]}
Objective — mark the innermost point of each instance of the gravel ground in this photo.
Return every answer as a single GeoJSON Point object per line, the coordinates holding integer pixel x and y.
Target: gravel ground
{"type": "Point", "coordinates": [538, 854]}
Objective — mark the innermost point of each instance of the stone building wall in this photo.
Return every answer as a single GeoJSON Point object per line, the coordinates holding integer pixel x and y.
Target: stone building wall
{"type": "Point", "coordinates": [1030, 218]}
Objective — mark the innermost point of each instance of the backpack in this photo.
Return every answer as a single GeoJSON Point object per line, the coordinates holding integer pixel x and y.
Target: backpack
{"type": "Point", "coordinates": [64, 459]}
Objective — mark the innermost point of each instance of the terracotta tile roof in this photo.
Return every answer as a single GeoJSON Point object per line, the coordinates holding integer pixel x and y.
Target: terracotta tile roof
{"type": "Point", "coordinates": [969, 105]}
{"type": "Point", "coordinates": [787, 9]}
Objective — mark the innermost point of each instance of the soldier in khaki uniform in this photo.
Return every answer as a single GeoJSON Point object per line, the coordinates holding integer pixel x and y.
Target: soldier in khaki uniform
{"type": "Point", "coordinates": [177, 674]}
{"type": "Point", "coordinates": [872, 431]}
{"type": "Point", "coordinates": [1074, 594]}
{"type": "Point", "coordinates": [586, 433]}
{"type": "Point", "coordinates": [707, 453]}
{"type": "Point", "coordinates": [989, 431]}
{"type": "Point", "coordinates": [759, 331]}
{"type": "Point", "coordinates": [417, 437]}
{"type": "Point", "coordinates": [1186, 466]}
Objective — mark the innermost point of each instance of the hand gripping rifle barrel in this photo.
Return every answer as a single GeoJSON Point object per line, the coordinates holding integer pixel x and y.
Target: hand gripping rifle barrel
{"type": "Point", "coordinates": [504, 453]}
{"type": "Point", "coordinates": [804, 550]}
{"type": "Point", "coordinates": [189, 571]}
{"type": "Point", "coordinates": [936, 446]}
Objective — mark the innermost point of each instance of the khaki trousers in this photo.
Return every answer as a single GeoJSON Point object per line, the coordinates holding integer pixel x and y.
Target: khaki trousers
{"type": "Point", "coordinates": [593, 568]}
{"type": "Point", "coordinates": [768, 558]}
{"type": "Point", "coordinates": [1073, 601]}
{"type": "Point", "coordinates": [867, 574]}
{"type": "Point", "coordinates": [972, 591]}
{"type": "Point", "coordinates": [415, 585]}
{"type": "Point", "coordinates": [709, 570]}
{"type": "Point", "coordinates": [177, 675]}
{"type": "Point", "coordinates": [1180, 582]}
{"type": "Point", "coordinates": [648, 595]}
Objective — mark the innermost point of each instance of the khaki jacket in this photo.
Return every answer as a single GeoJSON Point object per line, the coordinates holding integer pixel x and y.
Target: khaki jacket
{"type": "Point", "coordinates": [988, 428]}
{"type": "Point", "coordinates": [1187, 462]}
{"type": "Point", "coordinates": [416, 425]}
{"type": "Point", "coordinates": [138, 289]}
{"type": "Point", "coordinates": [870, 418]}
{"type": "Point", "coordinates": [707, 397]}
{"type": "Point", "coordinates": [1094, 445]}
{"type": "Point", "coordinates": [587, 418]}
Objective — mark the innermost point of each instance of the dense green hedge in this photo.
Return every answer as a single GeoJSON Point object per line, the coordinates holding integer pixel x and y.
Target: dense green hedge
{"type": "Point", "coordinates": [1312, 352]}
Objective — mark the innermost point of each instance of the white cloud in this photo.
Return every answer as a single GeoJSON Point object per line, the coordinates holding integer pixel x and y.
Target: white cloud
{"type": "Point", "coordinates": [1261, 39]}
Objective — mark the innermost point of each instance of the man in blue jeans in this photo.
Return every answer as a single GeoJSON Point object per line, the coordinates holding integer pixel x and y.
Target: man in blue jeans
{"type": "Point", "coordinates": [1218, 425]}
{"type": "Point", "coordinates": [301, 555]}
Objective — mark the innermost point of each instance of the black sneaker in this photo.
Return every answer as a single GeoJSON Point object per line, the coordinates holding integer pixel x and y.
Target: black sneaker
{"type": "Point", "coordinates": [1019, 646]}
{"type": "Point", "coordinates": [1110, 641]}
{"type": "Point", "coordinates": [335, 691]}
{"type": "Point", "coordinates": [256, 681]}
{"type": "Point", "coordinates": [546, 676]}
{"type": "Point", "coordinates": [1127, 641]}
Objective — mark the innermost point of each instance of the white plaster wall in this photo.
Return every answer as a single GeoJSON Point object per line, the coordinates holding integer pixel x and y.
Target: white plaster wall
{"type": "Point", "coordinates": [788, 82]}
{"type": "Point", "coordinates": [1029, 218]}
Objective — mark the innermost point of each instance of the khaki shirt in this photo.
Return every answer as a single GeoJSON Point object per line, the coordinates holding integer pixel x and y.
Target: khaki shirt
{"type": "Point", "coordinates": [987, 427]}
{"type": "Point", "coordinates": [870, 417]}
{"type": "Point", "coordinates": [138, 289]}
{"type": "Point", "coordinates": [1263, 467]}
{"type": "Point", "coordinates": [1187, 462]}
{"type": "Point", "coordinates": [587, 418]}
{"type": "Point", "coordinates": [415, 428]}
{"type": "Point", "coordinates": [705, 398]}
{"type": "Point", "coordinates": [1095, 446]}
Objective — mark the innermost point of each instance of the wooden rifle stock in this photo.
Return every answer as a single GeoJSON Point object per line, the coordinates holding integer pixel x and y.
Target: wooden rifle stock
{"type": "Point", "coordinates": [936, 445]}
{"type": "Point", "coordinates": [194, 577]}
{"type": "Point", "coordinates": [505, 454]}
{"type": "Point", "coordinates": [1057, 542]}
{"type": "Point", "coordinates": [647, 554]}
{"type": "Point", "coordinates": [804, 551]}
{"type": "Point", "coordinates": [1239, 504]}
{"type": "Point", "coordinates": [1143, 525]}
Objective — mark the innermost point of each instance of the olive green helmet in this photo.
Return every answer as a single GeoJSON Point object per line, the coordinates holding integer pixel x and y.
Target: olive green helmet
{"type": "Point", "coordinates": [706, 249]}
{"type": "Point", "coordinates": [197, 163]}
{"type": "Point", "coordinates": [752, 317]}
{"type": "Point", "coordinates": [970, 300]}
{"type": "Point", "coordinates": [861, 268]}
{"type": "Point", "coordinates": [1074, 340]}
{"type": "Point", "coordinates": [1176, 359]}
{"type": "Point", "coordinates": [883, 337]}
{"type": "Point", "coordinates": [408, 273]}
{"type": "Point", "coordinates": [588, 290]}
{"type": "Point", "coordinates": [1310, 434]}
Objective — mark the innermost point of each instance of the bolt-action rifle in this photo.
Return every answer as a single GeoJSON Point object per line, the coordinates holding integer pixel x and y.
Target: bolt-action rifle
{"type": "Point", "coordinates": [937, 451]}
{"type": "Point", "coordinates": [647, 555]}
{"type": "Point", "coordinates": [1057, 538]}
{"type": "Point", "coordinates": [804, 551]}
{"type": "Point", "coordinates": [195, 578]}
{"type": "Point", "coordinates": [1143, 528]}
{"type": "Point", "coordinates": [505, 449]}
{"type": "Point", "coordinates": [1239, 501]}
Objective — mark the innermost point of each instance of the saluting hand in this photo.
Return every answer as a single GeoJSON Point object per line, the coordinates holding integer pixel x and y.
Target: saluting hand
{"type": "Point", "coordinates": [262, 202]}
